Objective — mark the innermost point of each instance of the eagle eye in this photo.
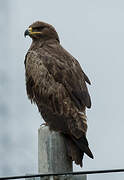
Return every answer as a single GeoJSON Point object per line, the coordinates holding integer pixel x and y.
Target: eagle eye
{"type": "Point", "coordinates": [36, 29]}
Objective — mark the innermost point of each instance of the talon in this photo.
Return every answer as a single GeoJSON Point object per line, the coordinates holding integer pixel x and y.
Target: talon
{"type": "Point", "coordinates": [44, 124]}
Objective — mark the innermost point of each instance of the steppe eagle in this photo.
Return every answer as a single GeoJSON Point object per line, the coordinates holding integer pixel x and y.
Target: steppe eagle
{"type": "Point", "coordinates": [56, 82]}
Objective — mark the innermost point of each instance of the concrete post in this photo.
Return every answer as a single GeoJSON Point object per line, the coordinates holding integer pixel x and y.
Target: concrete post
{"type": "Point", "coordinates": [52, 156]}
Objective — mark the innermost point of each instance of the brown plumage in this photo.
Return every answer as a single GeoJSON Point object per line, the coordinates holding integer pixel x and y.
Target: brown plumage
{"type": "Point", "coordinates": [57, 84]}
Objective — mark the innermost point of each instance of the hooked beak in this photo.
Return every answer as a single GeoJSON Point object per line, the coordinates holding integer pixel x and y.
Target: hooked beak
{"type": "Point", "coordinates": [27, 32]}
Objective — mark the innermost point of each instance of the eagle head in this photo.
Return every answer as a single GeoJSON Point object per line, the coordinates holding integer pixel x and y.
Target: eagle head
{"type": "Point", "coordinates": [41, 30]}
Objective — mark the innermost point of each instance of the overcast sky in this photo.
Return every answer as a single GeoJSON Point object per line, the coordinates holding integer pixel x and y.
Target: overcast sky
{"type": "Point", "coordinates": [93, 32]}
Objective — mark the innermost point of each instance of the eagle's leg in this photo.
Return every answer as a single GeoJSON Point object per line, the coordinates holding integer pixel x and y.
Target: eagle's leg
{"type": "Point", "coordinates": [44, 124]}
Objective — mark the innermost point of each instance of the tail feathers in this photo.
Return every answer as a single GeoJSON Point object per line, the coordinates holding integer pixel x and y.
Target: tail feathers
{"type": "Point", "coordinates": [83, 145]}
{"type": "Point", "coordinates": [76, 148]}
{"type": "Point", "coordinates": [74, 152]}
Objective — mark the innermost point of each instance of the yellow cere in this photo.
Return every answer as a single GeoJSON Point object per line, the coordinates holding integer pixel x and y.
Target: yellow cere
{"type": "Point", "coordinates": [31, 32]}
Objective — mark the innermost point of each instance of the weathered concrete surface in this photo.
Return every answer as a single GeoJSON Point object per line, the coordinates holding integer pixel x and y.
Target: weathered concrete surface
{"type": "Point", "coordinates": [52, 156]}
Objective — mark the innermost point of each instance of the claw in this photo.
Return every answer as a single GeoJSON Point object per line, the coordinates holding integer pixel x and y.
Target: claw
{"type": "Point", "coordinates": [44, 124]}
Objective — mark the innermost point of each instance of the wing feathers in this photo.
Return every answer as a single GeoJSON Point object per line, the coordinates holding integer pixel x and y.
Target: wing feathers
{"type": "Point", "coordinates": [86, 78]}
{"type": "Point", "coordinates": [83, 145]}
{"type": "Point", "coordinates": [70, 74]}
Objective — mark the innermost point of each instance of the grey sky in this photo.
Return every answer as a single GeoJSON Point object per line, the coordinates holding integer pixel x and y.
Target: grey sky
{"type": "Point", "coordinates": [93, 32]}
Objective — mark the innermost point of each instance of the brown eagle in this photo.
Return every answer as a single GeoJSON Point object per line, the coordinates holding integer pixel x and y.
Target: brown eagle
{"type": "Point", "coordinates": [57, 84]}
